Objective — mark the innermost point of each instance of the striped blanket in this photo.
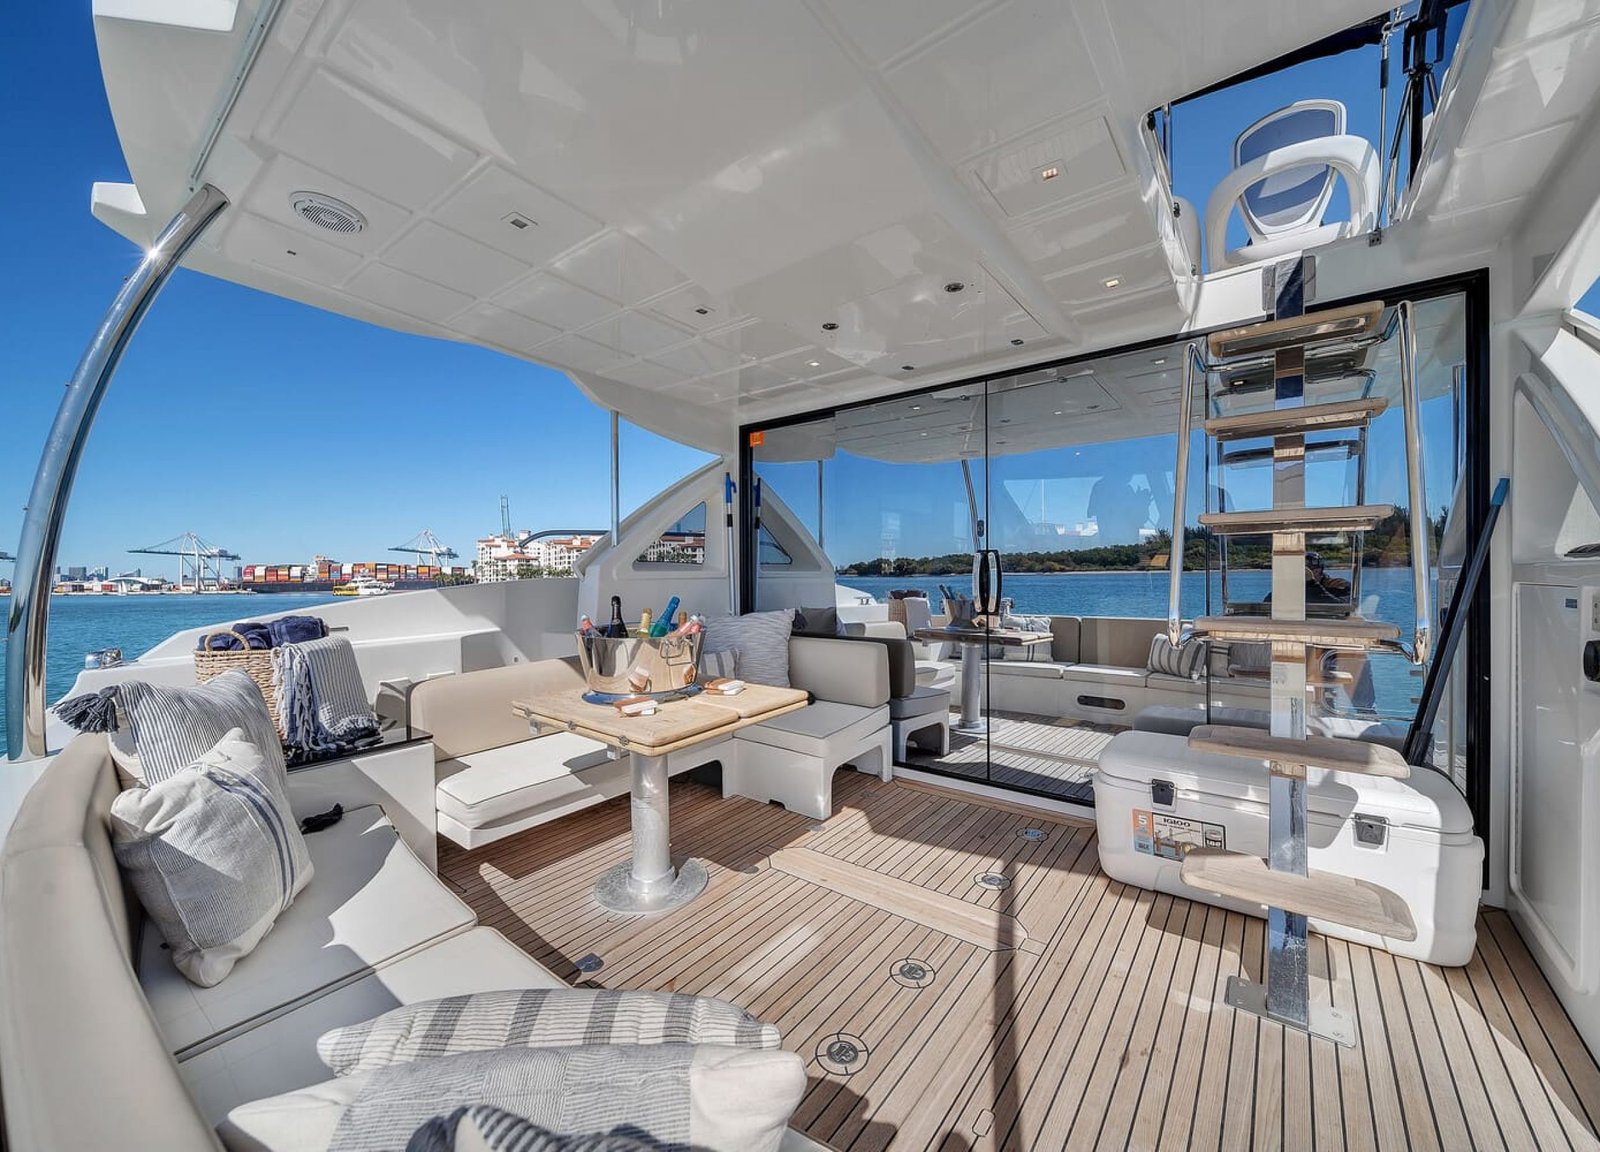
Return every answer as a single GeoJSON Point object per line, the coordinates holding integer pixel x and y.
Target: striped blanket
{"type": "Point", "coordinates": [321, 699]}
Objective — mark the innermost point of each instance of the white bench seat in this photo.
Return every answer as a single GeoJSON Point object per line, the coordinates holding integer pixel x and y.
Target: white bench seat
{"type": "Point", "coordinates": [825, 729]}
{"type": "Point", "coordinates": [1035, 669]}
{"type": "Point", "coordinates": [370, 901]}
{"type": "Point", "coordinates": [478, 789]}
{"type": "Point", "coordinates": [281, 1055]}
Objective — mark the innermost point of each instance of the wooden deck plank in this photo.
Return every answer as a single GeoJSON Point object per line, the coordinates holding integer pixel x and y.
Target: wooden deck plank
{"type": "Point", "coordinates": [1110, 1034]}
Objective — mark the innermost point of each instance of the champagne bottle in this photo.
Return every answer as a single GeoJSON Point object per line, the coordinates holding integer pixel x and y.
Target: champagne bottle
{"type": "Point", "coordinates": [663, 624]}
{"type": "Point", "coordinates": [616, 630]}
{"type": "Point", "coordinates": [644, 622]}
{"type": "Point", "coordinates": [586, 626]}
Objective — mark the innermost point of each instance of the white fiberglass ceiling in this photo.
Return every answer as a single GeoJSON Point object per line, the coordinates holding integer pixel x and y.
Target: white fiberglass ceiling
{"type": "Point", "coordinates": [708, 211]}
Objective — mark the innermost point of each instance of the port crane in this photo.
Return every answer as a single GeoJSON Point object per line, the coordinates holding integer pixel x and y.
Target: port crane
{"type": "Point", "coordinates": [425, 543]}
{"type": "Point", "coordinates": [199, 563]}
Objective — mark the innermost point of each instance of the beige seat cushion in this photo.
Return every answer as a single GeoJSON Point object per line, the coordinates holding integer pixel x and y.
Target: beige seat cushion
{"type": "Point", "coordinates": [823, 729]}
{"type": "Point", "coordinates": [922, 702]}
{"type": "Point", "coordinates": [371, 901]}
{"type": "Point", "coordinates": [281, 1055]}
{"type": "Point", "coordinates": [515, 779]}
{"type": "Point", "coordinates": [1105, 674]}
{"type": "Point", "coordinates": [1040, 670]}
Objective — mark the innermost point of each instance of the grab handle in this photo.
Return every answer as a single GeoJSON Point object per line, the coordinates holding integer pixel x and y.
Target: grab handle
{"type": "Point", "coordinates": [1180, 484]}
{"type": "Point", "coordinates": [1422, 641]}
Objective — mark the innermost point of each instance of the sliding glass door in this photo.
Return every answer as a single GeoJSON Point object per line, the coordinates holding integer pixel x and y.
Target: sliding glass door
{"type": "Point", "coordinates": [1068, 472]}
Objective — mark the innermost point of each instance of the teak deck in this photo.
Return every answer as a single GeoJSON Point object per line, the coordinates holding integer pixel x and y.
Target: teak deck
{"type": "Point", "coordinates": [1063, 1011]}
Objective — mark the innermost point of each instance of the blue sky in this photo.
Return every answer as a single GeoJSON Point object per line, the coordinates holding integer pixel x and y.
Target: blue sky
{"type": "Point", "coordinates": [267, 427]}
{"type": "Point", "coordinates": [281, 431]}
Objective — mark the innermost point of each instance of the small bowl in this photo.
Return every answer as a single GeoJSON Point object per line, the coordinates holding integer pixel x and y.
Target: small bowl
{"type": "Point", "coordinates": [658, 666]}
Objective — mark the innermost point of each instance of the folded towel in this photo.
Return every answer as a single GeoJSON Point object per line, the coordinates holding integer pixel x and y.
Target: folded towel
{"type": "Point", "coordinates": [321, 699]}
{"type": "Point", "coordinates": [255, 633]}
{"type": "Point", "coordinates": [296, 630]}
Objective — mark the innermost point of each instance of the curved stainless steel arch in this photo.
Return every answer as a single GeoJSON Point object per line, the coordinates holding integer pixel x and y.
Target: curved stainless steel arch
{"type": "Point", "coordinates": [58, 466]}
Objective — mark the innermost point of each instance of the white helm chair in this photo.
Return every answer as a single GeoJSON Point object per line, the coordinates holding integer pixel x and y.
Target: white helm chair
{"type": "Point", "coordinates": [1284, 168]}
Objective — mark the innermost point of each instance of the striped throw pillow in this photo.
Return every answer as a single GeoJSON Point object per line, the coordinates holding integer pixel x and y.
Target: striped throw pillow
{"type": "Point", "coordinates": [1187, 660]}
{"type": "Point", "coordinates": [676, 1096]}
{"type": "Point", "coordinates": [762, 639]}
{"type": "Point", "coordinates": [485, 1128]}
{"type": "Point", "coordinates": [173, 727]}
{"type": "Point", "coordinates": [214, 855]}
{"type": "Point", "coordinates": [539, 1018]}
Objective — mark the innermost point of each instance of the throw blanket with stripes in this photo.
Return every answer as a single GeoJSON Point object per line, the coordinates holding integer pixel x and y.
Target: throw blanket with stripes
{"type": "Point", "coordinates": [321, 699]}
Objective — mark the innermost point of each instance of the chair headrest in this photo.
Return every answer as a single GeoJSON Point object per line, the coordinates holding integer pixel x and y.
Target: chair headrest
{"type": "Point", "coordinates": [1295, 198]}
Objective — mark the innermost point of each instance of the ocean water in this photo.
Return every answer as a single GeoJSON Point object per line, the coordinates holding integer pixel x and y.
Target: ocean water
{"type": "Point", "coordinates": [82, 624]}
{"type": "Point", "coordinates": [1386, 594]}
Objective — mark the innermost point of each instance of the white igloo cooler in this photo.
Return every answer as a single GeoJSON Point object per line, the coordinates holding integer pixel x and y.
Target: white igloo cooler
{"type": "Point", "coordinates": [1154, 798]}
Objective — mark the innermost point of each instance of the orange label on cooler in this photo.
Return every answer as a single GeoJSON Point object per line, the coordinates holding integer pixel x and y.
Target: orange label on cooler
{"type": "Point", "coordinates": [757, 439]}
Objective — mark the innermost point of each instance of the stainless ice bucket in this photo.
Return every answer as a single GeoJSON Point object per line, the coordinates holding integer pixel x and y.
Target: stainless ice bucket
{"type": "Point", "coordinates": [640, 665]}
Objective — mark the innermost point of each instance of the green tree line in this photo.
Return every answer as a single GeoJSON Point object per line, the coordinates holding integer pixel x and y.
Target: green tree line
{"type": "Point", "coordinates": [1386, 546]}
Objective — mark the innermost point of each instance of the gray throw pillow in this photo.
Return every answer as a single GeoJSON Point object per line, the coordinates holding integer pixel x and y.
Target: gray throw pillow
{"type": "Point", "coordinates": [539, 1018]}
{"type": "Point", "coordinates": [174, 727]}
{"type": "Point", "coordinates": [214, 855]}
{"type": "Point", "coordinates": [484, 1128]}
{"type": "Point", "coordinates": [1187, 660]}
{"type": "Point", "coordinates": [715, 664]}
{"type": "Point", "coordinates": [762, 640]}
{"type": "Point", "coordinates": [703, 1097]}
{"type": "Point", "coordinates": [818, 622]}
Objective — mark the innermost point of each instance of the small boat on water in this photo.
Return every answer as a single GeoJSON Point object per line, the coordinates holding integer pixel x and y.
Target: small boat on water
{"type": "Point", "coordinates": [364, 586]}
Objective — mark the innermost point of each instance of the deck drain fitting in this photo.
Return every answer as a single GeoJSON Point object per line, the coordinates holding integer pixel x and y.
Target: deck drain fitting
{"type": "Point", "coordinates": [842, 1054]}
{"type": "Point", "coordinates": [590, 963]}
{"type": "Point", "coordinates": [1034, 834]}
{"type": "Point", "coordinates": [992, 880]}
{"type": "Point", "coordinates": [912, 973]}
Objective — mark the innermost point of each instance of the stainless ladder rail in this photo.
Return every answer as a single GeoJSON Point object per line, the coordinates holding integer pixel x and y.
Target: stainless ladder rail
{"type": "Point", "coordinates": [1290, 890]}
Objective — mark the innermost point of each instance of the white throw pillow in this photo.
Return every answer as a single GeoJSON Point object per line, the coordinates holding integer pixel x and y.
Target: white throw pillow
{"type": "Point", "coordinates": [539, 1018]}
{"type": "Point", "coordinates": [214, 855]}
{"type": "Point", "coordinates": [705, 1097]}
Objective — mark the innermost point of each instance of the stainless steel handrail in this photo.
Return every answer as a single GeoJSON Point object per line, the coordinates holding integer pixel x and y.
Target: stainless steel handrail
{"type": "Point", "coordinates": [28, 619]}
{"type": "Point", "coordinates": [1417, 495]}
{"type": "Point", "coordinates": [1180, 484]}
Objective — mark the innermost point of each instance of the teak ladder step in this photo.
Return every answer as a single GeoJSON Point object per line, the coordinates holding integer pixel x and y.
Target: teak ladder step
{"type": "Point", "coordinates": [1292, 421]}
{"type": "Point", "coordinates": [1354, 518]}
{"type": "Point", "coordinates": [1313, 751]}
{"type": "Point", "coordinates": [1351, 632]}
{"type": "Point", "coordinates": [1343, 900]}
{"type": "Point", "coordinates": [1296, 331]}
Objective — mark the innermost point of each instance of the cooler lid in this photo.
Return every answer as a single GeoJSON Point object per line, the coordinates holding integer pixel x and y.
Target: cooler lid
{"type": "Point", "coordinates": [1427, 801]}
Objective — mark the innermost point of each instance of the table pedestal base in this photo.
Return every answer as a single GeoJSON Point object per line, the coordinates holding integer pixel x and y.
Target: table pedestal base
{"type": "Point", "coordinates": [648, 882]}
{"type": "Point", "coordinates": [618, 891]}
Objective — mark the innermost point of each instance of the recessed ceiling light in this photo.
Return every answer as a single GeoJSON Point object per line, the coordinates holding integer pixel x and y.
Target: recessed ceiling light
{"type": "Point", "coordinates": [1113, 282]}
{"type": "Point", "coordinates": [813, 363]}
{"type": "Point", "coordinates": [916, 407]}
{"type": "Point", "coordinates": [830, 326]}
{"type": "Point", "coordinates": [1049, 172]}
{"type": "Point", "coordinates": [1017, 342]}
{"type": "Point", "coordinates": [702, 311]}
{"type": "Point", "coordinates": [908, 367]}
{"type": "Point", "coordinates": [1159, 360]}
{"type": "Point", "coordinates": [954, 286]}
{"type": "Point", "coordinates": [1058, 411]}
{"type": "Point", "coordinates": [923, 433]}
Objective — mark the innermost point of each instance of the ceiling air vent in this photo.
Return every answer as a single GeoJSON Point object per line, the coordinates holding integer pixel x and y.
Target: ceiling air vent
{"type": "Point", "coordinates": [326, 212]}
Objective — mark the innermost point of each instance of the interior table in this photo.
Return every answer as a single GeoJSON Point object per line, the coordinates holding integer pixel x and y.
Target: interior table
{"type": "Point", "coordinates": [649, 882]}
{"type": "Point", "coordinates": [973, 641]}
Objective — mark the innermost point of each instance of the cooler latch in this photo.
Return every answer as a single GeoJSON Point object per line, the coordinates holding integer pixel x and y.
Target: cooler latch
{"type": "Point", "coordinates": [1373, 831]}
{"type": "Point", "coordinates": [1161, 793]}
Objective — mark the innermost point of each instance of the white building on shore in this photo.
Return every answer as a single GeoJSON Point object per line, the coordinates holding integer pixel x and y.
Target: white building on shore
{"type": "Point", "coordinates": [529, 553]}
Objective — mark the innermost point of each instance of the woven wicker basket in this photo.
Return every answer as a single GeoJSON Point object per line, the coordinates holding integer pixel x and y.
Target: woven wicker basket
{"type": "Point", "coordinates": [254, 662]}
